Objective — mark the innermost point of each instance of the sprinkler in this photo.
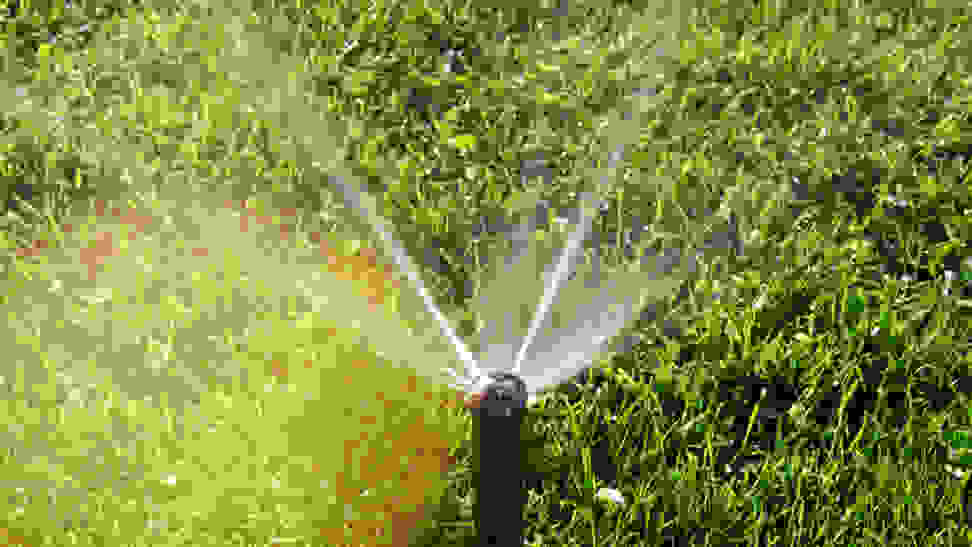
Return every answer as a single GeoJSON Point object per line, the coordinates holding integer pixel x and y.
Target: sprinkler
{"type": "Point", "coordinates": [516, 361]}
{"type": "Point", "coordinates": [498, 460]}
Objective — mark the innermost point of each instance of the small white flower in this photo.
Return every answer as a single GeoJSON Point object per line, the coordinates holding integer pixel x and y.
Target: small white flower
{"type": "Point", "coordinates": [956, 472]}
{"type": "Point", "coordinates": [610, 494]}
{"type": "Point", "coordinates": [170, 480]}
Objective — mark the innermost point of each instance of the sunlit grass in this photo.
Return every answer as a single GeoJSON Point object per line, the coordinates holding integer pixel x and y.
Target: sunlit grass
{"type": "Point", "coordinates": [817, 401]}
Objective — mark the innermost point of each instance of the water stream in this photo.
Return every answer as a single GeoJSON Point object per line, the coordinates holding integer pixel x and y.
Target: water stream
{"type": "Point", "coordinates": [573, 319]}
{"type": "Point", "coordinates": [364, 205]}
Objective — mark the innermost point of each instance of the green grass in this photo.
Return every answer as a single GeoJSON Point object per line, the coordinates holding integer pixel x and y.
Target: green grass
{"type": "Point", "coordinates": [837, 393]}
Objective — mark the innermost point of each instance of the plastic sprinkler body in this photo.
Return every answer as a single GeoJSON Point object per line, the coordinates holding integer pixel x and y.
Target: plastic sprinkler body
{"type": "Point", "coordinates": [499, 460]}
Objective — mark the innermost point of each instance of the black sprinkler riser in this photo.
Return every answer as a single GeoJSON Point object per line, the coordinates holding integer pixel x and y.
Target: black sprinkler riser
{"type": "Point", "coordinates": [499, 461]}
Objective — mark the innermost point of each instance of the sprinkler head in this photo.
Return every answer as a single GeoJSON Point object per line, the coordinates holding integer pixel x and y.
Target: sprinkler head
{"type": "Point", "coordinates": [498, 465]}
{"type": "Point", "coordinates": [502, 395]}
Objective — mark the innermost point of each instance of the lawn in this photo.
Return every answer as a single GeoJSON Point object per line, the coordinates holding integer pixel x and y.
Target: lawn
{"type": "Point", "coordinates": [808, 384]}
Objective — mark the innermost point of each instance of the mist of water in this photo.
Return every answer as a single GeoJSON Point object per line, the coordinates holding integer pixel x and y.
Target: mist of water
{"type": "Point", "coordinates": [559, 275]}
{"type": "Point", "coordinates": [572, 321]}
{"type": "Point", "coordinates": [365, 207]}
{"type": "Point", "coordinates": [544, 360]}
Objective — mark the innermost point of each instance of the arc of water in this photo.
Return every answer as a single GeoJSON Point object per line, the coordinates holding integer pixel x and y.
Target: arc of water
{"type": "Point", "coordinates": [590, 203]}
{"type": "Point", "coordinates": [364, 204]}
{"type": "Point", "coordinates": [557, 277]}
